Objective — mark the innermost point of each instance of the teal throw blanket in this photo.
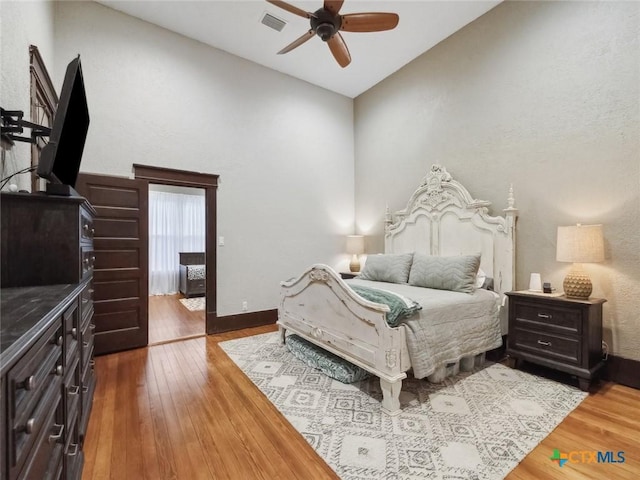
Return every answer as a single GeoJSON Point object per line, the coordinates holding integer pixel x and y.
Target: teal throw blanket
{"type": "Point", "coordinates": [400, 306]}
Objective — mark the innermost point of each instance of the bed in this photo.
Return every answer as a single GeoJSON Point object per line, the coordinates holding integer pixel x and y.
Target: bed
{"type": "Point", "coordinates": [192, 279]}
{"type": "Point", "coordinates": [441, 223]}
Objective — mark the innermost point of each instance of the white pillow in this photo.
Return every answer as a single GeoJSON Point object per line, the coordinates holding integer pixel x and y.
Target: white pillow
{"type": "Point", "coordinates": [480, 278]}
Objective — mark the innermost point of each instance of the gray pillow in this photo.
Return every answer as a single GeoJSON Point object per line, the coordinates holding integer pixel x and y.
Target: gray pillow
{"type": "Point", "coordinates": [392, 268]}
{"type": "Point", "coordinates": [445, 273]}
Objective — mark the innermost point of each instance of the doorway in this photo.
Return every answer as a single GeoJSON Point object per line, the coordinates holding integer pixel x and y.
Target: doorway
{"type": "Point", "coordinates": [177, 273]}
{"type": "Point", "coordinates": [120, 248]}
{"type": "Point", "coordinates": [208, 183]}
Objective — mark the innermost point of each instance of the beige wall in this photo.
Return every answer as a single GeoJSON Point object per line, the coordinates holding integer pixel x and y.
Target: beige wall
{"type": "Point", "coordinates": [544, 95]}
{"type": "Point", "coordinates": [21, 24]}
{"type": "Point", "coordinates": [158, 98]}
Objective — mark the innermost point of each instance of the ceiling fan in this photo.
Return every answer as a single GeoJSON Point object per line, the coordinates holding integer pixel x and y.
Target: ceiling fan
{"type": "Point", "coordinates": [327, 23]}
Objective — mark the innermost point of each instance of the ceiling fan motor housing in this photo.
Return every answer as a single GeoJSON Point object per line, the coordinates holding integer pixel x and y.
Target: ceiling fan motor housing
{"type": "Point", "coordinates": [325, 24]}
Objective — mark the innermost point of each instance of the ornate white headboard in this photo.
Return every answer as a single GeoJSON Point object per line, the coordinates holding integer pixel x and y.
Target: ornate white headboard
{"type": "Point", "coordinates": [442, 218]}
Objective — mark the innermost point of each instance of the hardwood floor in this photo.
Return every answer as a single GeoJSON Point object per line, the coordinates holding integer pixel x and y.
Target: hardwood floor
{"type": "Point", "coordinates": [183, 410]}
{"type": "Point", "coordinates": [170, 320]}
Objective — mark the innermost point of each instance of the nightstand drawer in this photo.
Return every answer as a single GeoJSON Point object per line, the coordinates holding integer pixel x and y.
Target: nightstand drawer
{"type": "Point", "coordinates": [550, 317]}
{"type": "Point", "coordinates": [558, 332]}
{"type": "Point", "coordinates": [564, 349]}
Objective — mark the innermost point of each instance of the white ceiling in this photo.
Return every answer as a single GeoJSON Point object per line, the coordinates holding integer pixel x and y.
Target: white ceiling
{"type": "Point", "coordinates": [235, 27]}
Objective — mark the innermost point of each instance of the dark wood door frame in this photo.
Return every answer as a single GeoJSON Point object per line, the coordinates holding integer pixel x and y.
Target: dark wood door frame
{"type": "Point", "coordinates": [209, 182]}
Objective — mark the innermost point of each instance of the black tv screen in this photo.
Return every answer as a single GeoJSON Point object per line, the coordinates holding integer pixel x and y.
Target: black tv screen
{"type": "Point", "coordinates": [60, 158]}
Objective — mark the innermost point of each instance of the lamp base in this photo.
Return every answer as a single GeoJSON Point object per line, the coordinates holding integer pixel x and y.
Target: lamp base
{"type": "Point", "coordinates": [577, 284]}
{"type": "Point", "coordinates": [354, 265]}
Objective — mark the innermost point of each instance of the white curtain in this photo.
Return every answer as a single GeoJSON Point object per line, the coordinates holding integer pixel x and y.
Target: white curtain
{"type": "Point", "coordinates": [176, 224]}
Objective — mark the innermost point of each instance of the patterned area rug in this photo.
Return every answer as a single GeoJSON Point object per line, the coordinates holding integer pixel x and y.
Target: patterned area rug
{"type": "Point", "coordinates": [194, 304]}
{"type": "Point", "coordinates": [476, 425]}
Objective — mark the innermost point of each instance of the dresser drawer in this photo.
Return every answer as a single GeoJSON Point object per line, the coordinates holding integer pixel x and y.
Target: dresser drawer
{"type": "Point", "coordinates": [564, 349]}
{"type": "Point", "coordinates": [88, 259]}
{"type": "Point", "coordinates": [45, 460]}
{"type": "Point", "coordinates": [72, 390]}
{"type": "Point", "coordinates": [553, 318]}
{"type": "Point", "coordinates": [71, 324]}
{"type": "Point", "coordinates": [86, 301]}
{"type": "Point", "coordinates": [74, 457]}
{"type": "Point", "coordinates": [196, 285]}
{"type": "Point", "coordinates": [87, 346]}
{"type": "Point", "coordinates": [88, 390]}
{"type": "Point", "coordinates": [32, 376]}
{"type": "Point", "coordinates": [28, 431]}
{"type": "Point", "coordinates": [86, 226]}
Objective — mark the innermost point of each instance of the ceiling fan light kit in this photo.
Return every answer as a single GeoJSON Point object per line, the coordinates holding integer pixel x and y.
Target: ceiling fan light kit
{"type": "Point", "coordinates": [327, 23]}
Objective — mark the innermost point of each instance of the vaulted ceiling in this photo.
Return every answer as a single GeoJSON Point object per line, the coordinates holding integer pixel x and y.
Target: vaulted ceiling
{"type": "Point", "coordinates": [237, 28]}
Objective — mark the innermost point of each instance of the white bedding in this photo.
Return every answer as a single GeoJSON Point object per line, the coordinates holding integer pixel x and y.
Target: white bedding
{"type": "Point", "coordinates": [450, 326]}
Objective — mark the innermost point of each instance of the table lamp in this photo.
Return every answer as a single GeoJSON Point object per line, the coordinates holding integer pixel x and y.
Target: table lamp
{"type": "Point", "coordinates": [355, 247]}
{"type": "Point", "coordinates": [579, 244]}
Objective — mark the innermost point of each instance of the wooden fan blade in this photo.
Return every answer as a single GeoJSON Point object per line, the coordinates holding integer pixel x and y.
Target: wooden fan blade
{"type": "Point", "coordinates": [297, 42]}
{"type": "Point", "coordinates": [291, 9]}
{"type": "Point", "coordinates": [333, 6]}
{"type": "Point", "coordinates": [339, 50]}
{"type": "Point", "coordinates": [369, 22]}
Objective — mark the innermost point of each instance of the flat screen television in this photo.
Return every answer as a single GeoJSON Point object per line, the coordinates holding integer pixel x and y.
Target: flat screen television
{"type": "Point", "coordinates": [60, 158]}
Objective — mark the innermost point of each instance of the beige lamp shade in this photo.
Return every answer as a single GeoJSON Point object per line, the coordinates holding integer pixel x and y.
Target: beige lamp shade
{"type": "Point", "coordinates": [579, 244]}
{"type": "Point", "coordinates": [355, 246]}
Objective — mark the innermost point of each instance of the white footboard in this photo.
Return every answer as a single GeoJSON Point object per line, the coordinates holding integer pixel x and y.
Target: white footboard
{"type": "Point", "coordinates": [320, 307]}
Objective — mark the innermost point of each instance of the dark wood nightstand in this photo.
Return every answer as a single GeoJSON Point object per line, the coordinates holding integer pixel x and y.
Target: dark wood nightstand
{"type": "Point", "coordinates": [557, 332]}
{"type": "Point", "coordinates": [348, 275]}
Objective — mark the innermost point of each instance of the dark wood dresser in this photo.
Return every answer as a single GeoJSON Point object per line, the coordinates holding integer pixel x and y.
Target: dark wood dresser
{"type": "Point", "coordinates": [46, 356]}
{"type": "Point", "coordinates": [561, 333]}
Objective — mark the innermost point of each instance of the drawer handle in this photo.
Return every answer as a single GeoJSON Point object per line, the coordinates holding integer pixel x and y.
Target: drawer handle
{"type": "Point", "coordinates": [90, 291]}
{"type": "Point", "coordinates": [28, 383]}
{"type": "Point", "coordinates": [85, 389]}
{"type": "Point", "coordinates": [56, 437]}
{"type": "Point", "coordinates": [92, 326]}
{"type": "Point", "coordinates": [74, 333]}
{"type": "Point", "coordinates": [92, 363]}
{"type": "Point", "coordinates": [59, 341]}
{"type": "Point", "coordinates": [74, 452]}
{"type": "Point", "coordinates": [74, 390]}
{"type": "Point", "coordinates": [545, 315]}
{"type": "Point", "coordinates": [58, 370]}
{"type": "Point", "coordinates": [85, 344]}
{"type": "Point", "coordinates": [546, 344]}
{"type": "Point", "coordinates": [28, 426]}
